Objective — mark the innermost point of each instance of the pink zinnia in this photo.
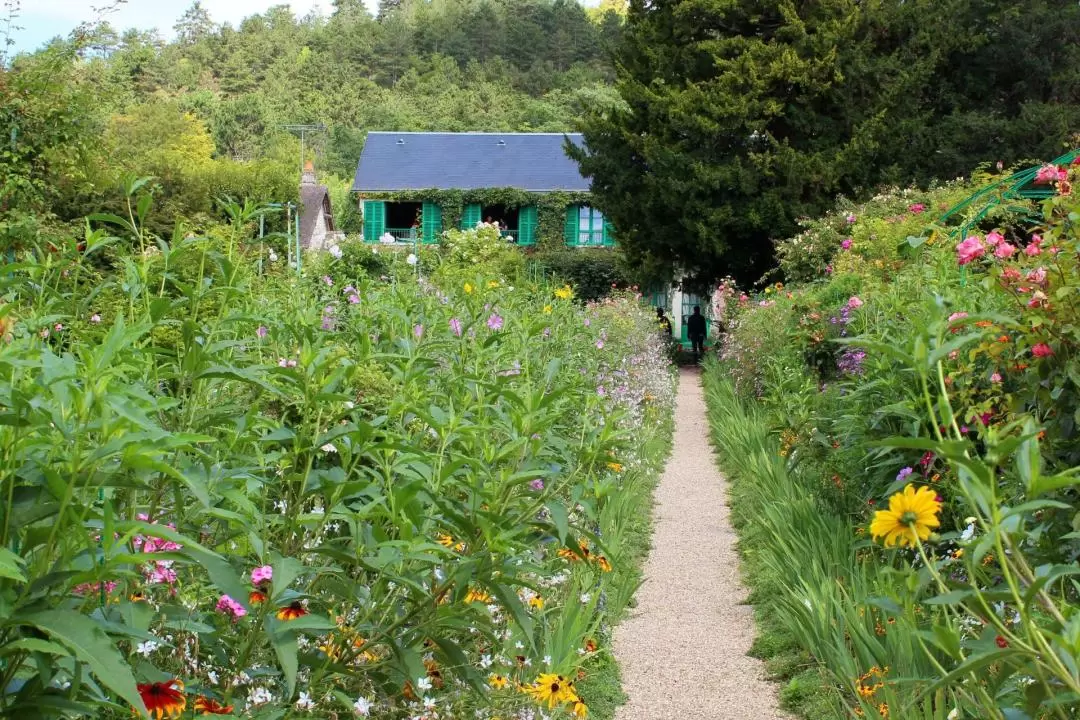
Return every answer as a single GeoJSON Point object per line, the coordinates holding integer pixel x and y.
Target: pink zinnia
{"type": "Point", "coordinates": [854, 302]}
{"type": "Point", "coordinates": [495, 322]}
{"type": "Point", "coordinates": [1042, 350]}
{"type": "Point", "coordinates": [230, 607]}
{"type": "Point", "coordinates": [264, 573]}
{"type": "Point", "coordinates": [1004, 250]}
{"type": "Point", "coordinates": [970, 249]}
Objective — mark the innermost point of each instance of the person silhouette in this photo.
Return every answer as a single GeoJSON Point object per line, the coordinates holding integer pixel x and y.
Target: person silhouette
{"type": "Point", "coordinates": [695, 330]}
{"type": "Point", "coordinates": [665, 323]}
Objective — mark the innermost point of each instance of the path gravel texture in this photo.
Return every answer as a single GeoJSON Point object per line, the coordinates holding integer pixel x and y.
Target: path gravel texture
{"type": "Point", "coordinates": [683, 648]}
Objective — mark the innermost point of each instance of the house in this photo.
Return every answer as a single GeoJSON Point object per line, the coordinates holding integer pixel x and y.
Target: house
{"type": "Point", "coordinates": [416, 184]}
{"type": "Point", "coordinates": [317, 217]}
{"type": "Point", "coordinates": [413, 185]}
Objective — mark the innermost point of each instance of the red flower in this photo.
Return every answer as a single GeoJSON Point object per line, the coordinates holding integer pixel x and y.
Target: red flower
{"type": "Point", "coordinates": [1001, 642]}
{"type": "Point", "coordinates": [210, 706]}
{"type": "Point", "coordinates": [291, 612]}
{"type": "Point", "coordinates": [163, 699]}
{"type": "Point", "coordinates": [256, 598]}
{"type": "Point", "coordinates": [1042, 350]}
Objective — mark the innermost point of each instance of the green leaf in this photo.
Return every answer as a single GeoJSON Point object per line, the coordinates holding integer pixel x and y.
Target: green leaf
{"type": "Point", "coordinates": [559, 517]}
{"type": "Point", "coordinates": [10, 566]}
{"type": "Point", "coordinates": [285, 647]}
{"type": "Point", "coordinates": [91, 646]}
{"type": "Point", "coordinates": [34, 645]}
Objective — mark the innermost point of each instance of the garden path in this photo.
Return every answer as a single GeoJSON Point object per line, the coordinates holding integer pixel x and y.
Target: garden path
{"type": "Point", "coordinates": [683, 648]}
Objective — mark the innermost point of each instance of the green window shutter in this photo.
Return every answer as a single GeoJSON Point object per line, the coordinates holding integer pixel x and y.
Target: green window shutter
{"type": "Point", "coordinates": [570, 229]}
{"type": "Point", "coordinates": [470, 216]}
{"type": "Point", "coordinates": [374, 220]}
{"type": "Point", "coordinates": [526, 232]}
{"type": "Point", "coordinates": [609, 234]}
{"type": "Point", "coordinates": [432, 222]}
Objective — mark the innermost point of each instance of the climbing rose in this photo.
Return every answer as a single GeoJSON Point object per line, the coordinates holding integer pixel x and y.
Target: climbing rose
{"type": "Point", "coordinates": [1042, 350]}
{"type": "Point", "coordinates": [994, 238]}
{"type": "Point", "coordinates": [1004, 250]}
{"type": "Point", "coordinates": [969, 249]}
{"type": "Point", "coordinates": [1046, 174]}
{"type": "Point", "coordinates": [1037, 276]}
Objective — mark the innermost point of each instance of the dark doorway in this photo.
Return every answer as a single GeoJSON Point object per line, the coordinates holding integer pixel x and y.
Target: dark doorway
{"type": "Point", "coordinates": [403, 215]}
{"type": "Point", "coordinates": [507, 217]}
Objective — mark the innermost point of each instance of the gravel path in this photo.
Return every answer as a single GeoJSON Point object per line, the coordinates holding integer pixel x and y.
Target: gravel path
{"type": "Point", "coordinates": [683, 648]}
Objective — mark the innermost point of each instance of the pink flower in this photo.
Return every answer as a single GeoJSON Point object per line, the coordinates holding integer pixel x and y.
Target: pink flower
{"type": "Point", "coordinates": [455, 326]}
{"type": "Point", "coordinates": [846, 243]}
{"type": "Point", "coordinates": [1046, 174]}
{"type": "Point", "coordinates": [994, 238]}
{"type": "Point", "coordinates": [95, 318]}
{"type": "Point", "coordinates": [230, 607]}
{"type": "Point", "coordinates": [1042, 350]}
{"type": "Point", "coordinates": [916, 208]}
{"type": "Point", "coordinates": [743, 298]}
{"type": "Point", "coordinates": [354, 299]}
{"type": "Point", "coordinates": [261, 331]}
{"type": "Point", "coordinates": [955, 317]}
{"type": "Point", "coordinates": [58, 327]}
{"type": "Point", "coordinates": [995, 378]}
{"type": "Point", "coordinates": [599, 344]}
{"type": "Point", "coordinates": [1004, 250]}
{"type": "Point", "coordinates": [970, 249]}
{"type": "Point", "coordinates": [261, 574]}
{"type": "Point", "coordinates": [495, 322]}
{"type": "Point", "coordinates": [537, 484]}
{"type": "Point", "coordinates": [160, 572]}
{"type": "Point", "coordinates": [1037, 276]}
{"type": "Point", "coordinates": [1054, 250]}
{"type": "Point", "coordinates": [854, 302]}
{"type": "Point", "coordinates": [985, 419]}
{"type": "Point", "coordinates": [1010, 274]}
{"type": "Point", "coordinates": [418, 331]}
{"type": "Point", "coordinates": [1034, 248]}
{"type": "Point", "coordinates": [851, 218]}
{"type": "Point", "coordinates": [328, 280]}
{"type": "Point", "coordinates": [1038, 299]}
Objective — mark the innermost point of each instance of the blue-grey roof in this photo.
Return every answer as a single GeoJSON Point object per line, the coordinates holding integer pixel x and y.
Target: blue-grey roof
{"type": "Point", "coordinates": [467, 161]}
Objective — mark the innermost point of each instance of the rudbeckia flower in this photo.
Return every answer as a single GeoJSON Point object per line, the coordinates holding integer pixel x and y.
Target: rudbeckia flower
{"type": "Point", "coordinates": [164, 699]}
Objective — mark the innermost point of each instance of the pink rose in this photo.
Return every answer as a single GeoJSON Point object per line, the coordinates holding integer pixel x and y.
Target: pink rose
{"type": "Point", "coordinates": [969, 249]}
{"type": "Point", "coordinates": [1037, 276]}
{"type": "Point", "coordinates": [1046, 174]}
{"type": "Point", "coordinates": [995, 378]}
{"type": "Point", "coordinates": [1004, 250]}
{"type": "Point", "coordinates": [994, 238]}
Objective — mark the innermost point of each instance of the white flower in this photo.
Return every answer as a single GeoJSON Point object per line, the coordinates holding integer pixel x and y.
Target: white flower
{"type": "Point", "coordinates": [423, 683]}
{"type": "Point", "coordinates": [328, 448]}
{"type": "Point", "coordinates": [429, 703]}
{"type": "Point", "coordinates": [361, 706]}
{"type": "Point", "coordinates": [585, 597]}
{"type": "Point", "coordinates": [145, 648]}
{"type": "Point", "coordinates": [259, 696]}
{"type": "Point", "coordinates": [969, 532]}
{"type": "Point", "coordinates": [335, 251]}
{"type": "Point", "coordinates": [485, 661]}
{"type": "Point", "coordinates": [212, 677]}
{"type": "Point", "coordinates": [519, 645]}
{"type": "Point", "coordinates": [305, 702]}
{"type": "Point", "coordinates": [547, 659]}
{"type": "Point", "coordinates": [954, 714]}
{"type": "Point", "coordinates": [411, 259]}
{"type": "Point", "coordinates": [318, 510]}
{"type": "Point", "coordinates": [273, 256]}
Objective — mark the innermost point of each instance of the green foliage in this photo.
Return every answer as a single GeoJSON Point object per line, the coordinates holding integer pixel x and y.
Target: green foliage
{"type": "Point", "coordinates": [741, 117]}
{"type": "Point", "coordinates": [592, 272]}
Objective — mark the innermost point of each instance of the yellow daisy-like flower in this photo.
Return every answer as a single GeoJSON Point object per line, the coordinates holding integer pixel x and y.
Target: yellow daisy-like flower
{"type": "Point", "coordinates": [911, 514]}
{"type": "Point", "coordinates": [477, 596]}
{"type": "Point", "coordinates": [468, 288]}
{"type": "Point", "coordinates": [547, 309]}
{"type": "Point", "coordinates": [536, 602]}
{"type": "Point", "coordinates": [564, 293]}
{"type": "Point", "coordinates": [551, 690]}
{"type": "Point", "coordinates": [497, 681]}
{"type": "Point", "coordinates": [603, 563]}
{"type": "Point", "coordinates": [581, 710]}
{"type": "Point", "coordinates": [615, 467]}
{"type": "Point", "coordinates": [493, 283]}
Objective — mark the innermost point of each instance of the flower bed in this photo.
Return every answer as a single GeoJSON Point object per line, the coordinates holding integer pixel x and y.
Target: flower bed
{"type": "Point", "coordinates": [922, 392]}
{"type": "Point", "coordinates": [347, 494]}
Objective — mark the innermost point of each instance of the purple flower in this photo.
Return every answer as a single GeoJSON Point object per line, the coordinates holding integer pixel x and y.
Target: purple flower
{"type": "Point", "coordinates": [328, 280]}
{"type": "Point", "coordinates": [537, 484]}
{"type": "Point", "coordinates": [495, 322]}
{"type": "Point", "coordinates": [902, 475]}
{"type": "Point", "coordinates": [262, 331]}
{"type": "Point", "coordinates": [547, 332]}
{"type": "Point", "coordinates": [354, 299]}
{"type": "Point", "coordinates": [851, 218]}
{"type": "Point", "coordinates": [455, 326]}
{"type": "Point", "coordinates": [418, 331]}
{"type": "Point", "coordinates": [850, 363]}
{"type": "Point", "coordinates": [588, 322]}
{"type": "Point", "coordinates": [601, 391]}
{"type": "Point", "coordinates": [95, 318]}
{"type": "Point", "coordinates": [599, 344]}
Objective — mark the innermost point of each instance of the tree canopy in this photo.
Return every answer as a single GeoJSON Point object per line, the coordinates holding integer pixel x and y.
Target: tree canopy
{"type": "Point", "coordinates": [740, 116]}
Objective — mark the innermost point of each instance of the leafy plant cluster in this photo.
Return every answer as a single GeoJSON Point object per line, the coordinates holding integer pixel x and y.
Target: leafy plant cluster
{"type": "Point", "coordinates": [369, 490]}
{"type": "Point", "coordinates": [923, 359]}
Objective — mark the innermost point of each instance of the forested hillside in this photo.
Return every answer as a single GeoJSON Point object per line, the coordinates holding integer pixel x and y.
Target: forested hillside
{"type": "Point", "coordinates": [205, 112]}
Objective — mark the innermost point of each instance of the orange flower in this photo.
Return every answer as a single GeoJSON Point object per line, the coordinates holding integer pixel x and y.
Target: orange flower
{"type": "Point", "coordinates": [590, 645]}
{"type": "Point", "coordinates": [163, 699]}
{"type": "Point", "coordinates": [255, 597]}
{"type": "Point", "coordinates": [210, 706]}
{"type": "Point", "coordinates": [291, 612]}
{"type": "Point", "coordinates": [603, 563]}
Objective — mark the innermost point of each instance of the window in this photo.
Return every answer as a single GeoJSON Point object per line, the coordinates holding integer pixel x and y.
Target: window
{"type": "Point", "coordinates": [590, 226]}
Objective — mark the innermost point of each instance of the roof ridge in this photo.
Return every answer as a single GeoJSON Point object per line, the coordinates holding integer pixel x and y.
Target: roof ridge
{"type": "Point", "coordinates": [467, 132]}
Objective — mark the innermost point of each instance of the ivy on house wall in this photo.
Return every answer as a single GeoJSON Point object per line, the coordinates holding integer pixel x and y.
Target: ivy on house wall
{"type": "Point", "coordinates": [550, 207]}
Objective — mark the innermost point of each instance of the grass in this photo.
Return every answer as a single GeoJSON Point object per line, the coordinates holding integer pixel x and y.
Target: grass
{"type": "Point", "coordinates": [632, 521]}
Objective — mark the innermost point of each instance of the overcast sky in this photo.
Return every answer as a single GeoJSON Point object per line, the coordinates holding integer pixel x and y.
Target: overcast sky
{"type": "Point", "coordinates": [42, 20]}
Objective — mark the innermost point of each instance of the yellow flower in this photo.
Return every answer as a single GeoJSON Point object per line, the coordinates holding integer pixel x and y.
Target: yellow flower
{"type": "Point", "coordinates": [497, 681]}
{"type": "Point", "coordinates": [564, 293]}
{"type": "Point", "coordinates": [493, 283]}
{"type": "Point", "coordinates": [581, 710]}
{"type": "Point", "coordinates": [547, 309]}
{"type": "Point", "coordinates": [883, 710]}
{"type": "Point", "coordinates": [536, 602]}
{"type": "Point", "coordinates": [468, 288]}
{"type": "Point", "coordinates": [603, 563]}
{"type": "Point", "coordinates": [615, 467]}
{"type": "Point", "coordinates": [477, 596]}
{"type": "Point", "coordinates": [551, 690]}
{"type": "Point", "coordinates": [911, 514]}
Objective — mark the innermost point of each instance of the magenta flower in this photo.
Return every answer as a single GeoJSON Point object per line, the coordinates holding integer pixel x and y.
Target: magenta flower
{"type": "Point", "coordinates": [354, 299]}
{"type": "Point", "coordinates": [262, 331]}
{"type": "Point", "coordinates": [455, 326]}
{"type": "Point", "coordinates": [495, 322]}
{"type": "Point", "coordinates": [994, 238]}
{"type": "Point", "coordinates": [854, 302]}
{"type": "Point", "coordinates": [328, 280]}
{"type": "Point", "coordinates": [851, 218]}
{"type": "Point", "coordinates": [230, 607]}
{"type": "Point", "coordinates": [1046, 174]}
{"type": "Point", "coordinates": [969, 249]}
{"type": "Point", "coordinates": [1004, 250]}
{"type": "Point", "coordinates": [846, 243]}
{"type": "Point", "coordinates": [264, 573]}
{"type": "Point", "coordinates": [995, 378]}
{"type": "Point", "coordinates": [418, 331]}
{"type": "Point", "coordinates": [537, 484]}
{"type": "Point", "coordinates": [1042, 350]}
{"type": "Point", "coordinates": [916, 208]}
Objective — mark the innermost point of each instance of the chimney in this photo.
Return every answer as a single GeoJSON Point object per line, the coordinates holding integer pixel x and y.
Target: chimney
{"type": "Point", "coordinates": [308, 176]}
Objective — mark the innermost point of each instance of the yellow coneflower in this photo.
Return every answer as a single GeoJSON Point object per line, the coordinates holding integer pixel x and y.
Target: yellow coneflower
{"type": "Point", "coordinates": [564, 293]}
{"type": "Point", "coordinates": [883, 710]}
{"type": "Point", "coordinates": [475, 595]}
{"type": "Point", "coordinates": [581, 710]}
{"type": "Point", "coordinates": [603, 564]}
{"type": "Point", "coordinates": [164, 699]}
{"type": "Point", "coordinates": [536, 602]}
{"type": "Point", "coordinates": [615, 467]}
{"type": "Point", "coordinates": [551, 690]}
{"type": "Point", "coordinates": [547, 309]}
{"type": "Point", "coordinates": [498, 681]}
{"type": "Point", "coordinates": [493, 284]}
{"type": "Point", "coordinates": [911, 515]}
{"type": "Point", "coordinates": [292, 611]}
